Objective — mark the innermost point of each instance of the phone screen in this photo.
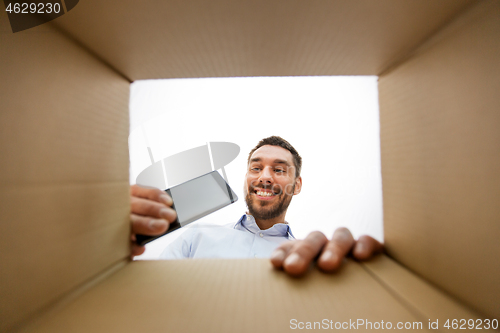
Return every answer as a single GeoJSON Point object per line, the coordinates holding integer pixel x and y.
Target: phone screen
{"type": "Point", "coordinates": [195, 199]}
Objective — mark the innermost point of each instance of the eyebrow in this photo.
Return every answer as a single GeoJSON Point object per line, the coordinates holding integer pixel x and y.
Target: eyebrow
{"type": "Point", "coordinates": [276, 161]}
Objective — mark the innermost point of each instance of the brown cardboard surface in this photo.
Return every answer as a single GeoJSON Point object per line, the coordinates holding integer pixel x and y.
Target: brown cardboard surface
{"type": "Point", "coordinates": [222, 296]}
{"type": "Point", "coordinates": [55, 96]}
{"type": "Point", "coordinates": [427, 301]}
{"type": "Point", "coordinates": [64, 174]}
{"type": "Point", "coordinates": [440, 144]}
{"type": "Point", "coordinates": [222, 38]}
{"type": "Point", "coordinates": [55, 238]}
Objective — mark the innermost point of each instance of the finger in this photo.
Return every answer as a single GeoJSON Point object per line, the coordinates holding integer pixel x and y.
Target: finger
{"type": "Point", "coordinates": [136, 250]}
{"type": "Point", "coordinates": [147, 226]}
{"type": "Point", "coordinates": [151, 208]}
{"type": "Point", "coordinates": [301, 255]}
{"type": "Point", "coordinates": [151, 194]}
{"type": "Point", "coordinates": [280, 253]}
{"type": "Point", "coordinates": [366, 247]}
{"type": "Point", "coordinates": [336, 249]}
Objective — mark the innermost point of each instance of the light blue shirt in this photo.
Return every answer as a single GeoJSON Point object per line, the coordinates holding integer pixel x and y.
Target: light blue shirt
{"type": "Point", "coordinates": [242, 239]}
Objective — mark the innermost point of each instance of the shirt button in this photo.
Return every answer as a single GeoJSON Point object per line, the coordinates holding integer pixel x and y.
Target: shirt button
{"type": "Point", "coordinates": [261, 234]}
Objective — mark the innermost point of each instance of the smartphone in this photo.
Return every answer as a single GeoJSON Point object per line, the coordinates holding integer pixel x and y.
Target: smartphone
{"type": "Point", "coordinates": [195, 199]}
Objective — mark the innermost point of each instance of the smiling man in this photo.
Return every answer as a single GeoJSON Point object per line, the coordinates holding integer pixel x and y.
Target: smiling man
{"type": "Point", "coordinates": [272, 179]}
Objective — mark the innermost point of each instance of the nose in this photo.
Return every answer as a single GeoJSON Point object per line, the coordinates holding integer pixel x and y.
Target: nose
{"type": "Point", "coordinates": [266, 177]}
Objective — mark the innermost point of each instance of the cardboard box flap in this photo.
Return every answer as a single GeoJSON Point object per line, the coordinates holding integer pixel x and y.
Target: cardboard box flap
{"type": "Point", "coordinates": [428, 302]}
{"type": "Point", "coordinates": [64, 202]}
{"type": "Point", "coordinates": [214, 295]}
{"type": "Point", "coordinates": [224, 38]}
{"type": "Point", "coordinates": [440, 144]}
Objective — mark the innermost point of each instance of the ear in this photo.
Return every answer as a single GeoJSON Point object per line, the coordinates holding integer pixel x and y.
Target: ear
{"type": "Point", "coordinates": [298, 186]}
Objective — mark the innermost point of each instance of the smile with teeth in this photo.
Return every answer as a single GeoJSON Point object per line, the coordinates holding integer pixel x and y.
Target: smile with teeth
{"type": "Point", "coordinates": [264, 193]}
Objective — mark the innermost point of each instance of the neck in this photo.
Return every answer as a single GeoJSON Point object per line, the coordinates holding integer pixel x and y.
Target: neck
{"type": "Point", "coordinates": [266, 224]}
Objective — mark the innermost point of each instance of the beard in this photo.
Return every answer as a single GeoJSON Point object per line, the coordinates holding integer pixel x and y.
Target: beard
{"type": "Point", "coordinates": [264, 210]}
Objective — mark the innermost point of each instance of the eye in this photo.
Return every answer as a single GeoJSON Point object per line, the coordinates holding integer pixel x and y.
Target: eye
{"type": "Point", "coordinates": [279, 170]}
{"type": "Point", "coordinates": [255, 169]}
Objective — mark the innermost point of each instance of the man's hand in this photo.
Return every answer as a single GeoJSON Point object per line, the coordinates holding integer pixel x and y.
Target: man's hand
{"type": "Point", "coordinates": [295, 257]}
{"type": "Point", "coordinates": [151, 214]}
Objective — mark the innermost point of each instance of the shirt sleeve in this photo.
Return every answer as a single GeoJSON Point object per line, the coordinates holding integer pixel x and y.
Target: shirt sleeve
{"type": "Point", "coordinates": [180, 248]}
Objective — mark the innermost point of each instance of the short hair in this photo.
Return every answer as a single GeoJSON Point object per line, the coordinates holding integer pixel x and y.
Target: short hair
{"type": "Point", "coordinates": [280, 142]}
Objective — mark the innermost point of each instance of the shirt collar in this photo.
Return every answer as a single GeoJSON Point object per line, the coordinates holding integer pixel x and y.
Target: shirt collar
{"type": "Point", "coordinates": [247, 222]}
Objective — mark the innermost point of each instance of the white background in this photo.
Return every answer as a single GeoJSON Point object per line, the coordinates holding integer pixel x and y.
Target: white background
{"type": "Point", "coordinates": [333, 122]}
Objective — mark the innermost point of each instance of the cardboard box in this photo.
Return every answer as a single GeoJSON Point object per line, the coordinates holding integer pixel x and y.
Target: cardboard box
{"type": "Point", "coordinates": [64, 173]}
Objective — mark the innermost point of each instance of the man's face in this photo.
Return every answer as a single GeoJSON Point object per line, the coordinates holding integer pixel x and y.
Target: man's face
{"type": "Point", "coordinates": [270, 182]}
